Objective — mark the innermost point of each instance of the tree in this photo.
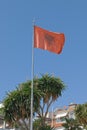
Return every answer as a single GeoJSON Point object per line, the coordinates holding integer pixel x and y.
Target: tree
{"type": "Point", "coordinates": [81, 114]}
{"type": "Point", "coordinates": [47, 89]}
{"type": "Point", "coordinates": [52, 88]}
{"type": "Point", "coordinates": [71, 124]}
{"type": "Point", "coordinates": [17, 106]}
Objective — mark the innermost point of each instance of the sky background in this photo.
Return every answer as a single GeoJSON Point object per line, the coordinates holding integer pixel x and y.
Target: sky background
{"type": "Point", "coordinates": [16, 29]}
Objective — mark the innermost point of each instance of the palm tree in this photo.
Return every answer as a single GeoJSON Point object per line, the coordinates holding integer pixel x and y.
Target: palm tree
{"type": "Point", "coordinates": [71, 124]}
{"type": "Point", "coordinates": [52, 88]}
{"type": "Point", "coordinates": [17, 106]}
{"type": "Point", "coordinates": [81, 114]}
{"type": "Point", "coordinates": [47, 89]}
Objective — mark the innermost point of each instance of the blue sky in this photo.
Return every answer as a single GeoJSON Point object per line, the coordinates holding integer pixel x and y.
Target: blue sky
{"type": "Point", "coordinates": [16, 28]}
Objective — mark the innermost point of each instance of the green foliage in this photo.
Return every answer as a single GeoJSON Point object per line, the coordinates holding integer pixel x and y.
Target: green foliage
{"type": "Point", "coordinates": [46, 90]}
{"type": "Point", "coordinates": [72, 124]}
{"type": "Point", "coordinates": [81, 114]}
{"type": "Point", "coordinates": [52, 88]}
{"type": "Point", "coordinates": [17, 104]}
{"type": "Point", "coordinates": [38, 126]}
{"type": "Point", "coordinates": [45, 128]}
{"type": "Point", "coordinates": [1, 111]}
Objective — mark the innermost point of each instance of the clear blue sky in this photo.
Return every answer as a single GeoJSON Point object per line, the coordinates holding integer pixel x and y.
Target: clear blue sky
{"type": "Point", "coordinates": [67, 16]}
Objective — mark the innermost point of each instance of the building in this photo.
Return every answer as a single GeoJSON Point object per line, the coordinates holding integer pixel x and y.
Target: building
{"type": "Point", "coordinates": [57, 118]}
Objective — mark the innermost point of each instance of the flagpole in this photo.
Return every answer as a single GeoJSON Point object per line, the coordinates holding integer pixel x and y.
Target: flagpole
{"type": "Point", "coordinates": [32, 76]}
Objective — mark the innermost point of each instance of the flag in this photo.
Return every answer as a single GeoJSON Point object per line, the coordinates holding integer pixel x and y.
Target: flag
{"type": "Point", "coordinates": [48, 40]}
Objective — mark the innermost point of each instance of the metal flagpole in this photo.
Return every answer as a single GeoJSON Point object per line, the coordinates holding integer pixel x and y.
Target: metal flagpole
{"type": "Point", "coordinates": [32, 76]}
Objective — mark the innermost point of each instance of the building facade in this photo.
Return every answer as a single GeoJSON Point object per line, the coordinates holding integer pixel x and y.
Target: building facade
{"type": "Point", "coordinates": [57, 118]}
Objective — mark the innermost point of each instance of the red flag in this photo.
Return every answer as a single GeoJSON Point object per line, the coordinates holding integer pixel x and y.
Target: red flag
{"type": "Point", "coordinates": [47, 40]}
